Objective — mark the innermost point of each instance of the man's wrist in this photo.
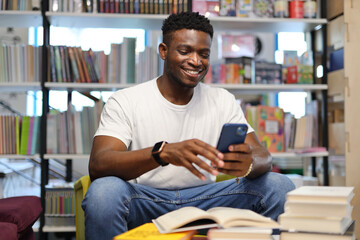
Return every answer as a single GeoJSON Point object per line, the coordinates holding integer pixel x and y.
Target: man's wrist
{"type": "Point", "coordinates": [157, 149]}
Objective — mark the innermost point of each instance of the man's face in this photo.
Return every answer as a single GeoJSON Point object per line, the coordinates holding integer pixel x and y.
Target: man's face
{"type": "Point", "coordinates": [187, 56]}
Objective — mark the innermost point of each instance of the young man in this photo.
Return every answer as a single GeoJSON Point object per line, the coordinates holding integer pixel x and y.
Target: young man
{"type": "Point", "coordinates": [155, 150]}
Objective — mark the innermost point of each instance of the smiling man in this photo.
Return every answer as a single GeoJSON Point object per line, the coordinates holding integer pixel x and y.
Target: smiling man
{"type": "Point", "coordinates": [154, 150]}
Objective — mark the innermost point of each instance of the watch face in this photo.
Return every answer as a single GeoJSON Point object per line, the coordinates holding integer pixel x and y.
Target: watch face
{"type": "Point", "coordinates": [158, 147]}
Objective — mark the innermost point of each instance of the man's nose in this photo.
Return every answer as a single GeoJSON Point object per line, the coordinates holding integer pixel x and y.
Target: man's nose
{"type": "Point", "coordinates": [195, 59]}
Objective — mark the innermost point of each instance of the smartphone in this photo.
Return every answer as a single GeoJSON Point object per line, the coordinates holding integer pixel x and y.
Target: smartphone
{"type": "Point", "coordinates": [231, 133]}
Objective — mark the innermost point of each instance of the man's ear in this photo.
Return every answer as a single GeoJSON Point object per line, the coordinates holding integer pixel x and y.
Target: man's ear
{"type": "Point", "coordinates": [163, 50]}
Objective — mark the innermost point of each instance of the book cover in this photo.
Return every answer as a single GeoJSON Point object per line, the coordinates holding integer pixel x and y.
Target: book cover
{"type": "Point", "coordinates": [318, 209]}
{"type": "Point", "coordinates": [148, 231]}
{"type": "Point", "coordinates": [63, 66]}
{"type": "Point", "coordinates": [315, 236]}
{"type": "Point", "coordinates": [190, 218]}
{"type": "Point", "coordinates": [67, 64]}
{"type": "Point", "coordinates": [336, 225]}
{"type": "Point", "coordinates": [83, 64]}
{"type": "Point", "coordinates": [24, 135]}
{"type": "Point", "coordinates": [58, 65]}
{"type": "Point", "coordinates": [35, 143]}
{"type": "Point", "coordinates": [240, 233]}
{"type": "Point", "coordinates": [79, 65]}
{"type": "Point", "coordinates": [292, 75]}
{"type": "Point", "coordinates": [324, 194]}
{"type": "Point", "coordinates": [227, 8]}
{"type": "Point", "coordinates": [17, 129]}
{"type": "Point", "coordinates": [78, 135]}
{"type": "Point", "coordinates": [30, 137]}
{"type": "Point", "coordinates": [52, 133]}
{"type": "Point", "coordinates": [298, 235]}
{"type": "Point", "coordinates": [269, 124]}
{"type": "Point", "coordinates": [75, 76]}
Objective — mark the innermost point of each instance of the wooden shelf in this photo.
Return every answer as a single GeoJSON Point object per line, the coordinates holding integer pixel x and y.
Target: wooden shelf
{"type": "Point", "coordinates": [15, 156]}
{"type": "Point", "coordinates": [154, 22]}
{"type": "Point", "coordinates": [231, 87]}
{"type": "Point", "coordinates": [20, 87]}
{"type": "Point", "coordinates": [22, 19]}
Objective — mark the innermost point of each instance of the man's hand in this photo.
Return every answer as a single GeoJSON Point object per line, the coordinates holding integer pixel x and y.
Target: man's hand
{"type": "Point", "coordinates": [238, 160]}
{"type": "Point", "coordinates": [186, 153]}
{"type": "Point", "coordinates": [240, 156]}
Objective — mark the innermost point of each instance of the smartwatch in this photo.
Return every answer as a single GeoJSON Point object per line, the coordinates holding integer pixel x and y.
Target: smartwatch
{"type": "Point", "coordinates": [157, 149]}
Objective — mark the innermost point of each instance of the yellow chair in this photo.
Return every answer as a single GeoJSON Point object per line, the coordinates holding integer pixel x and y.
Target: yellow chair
{"type": "Point", "coordinates": [80, 188]}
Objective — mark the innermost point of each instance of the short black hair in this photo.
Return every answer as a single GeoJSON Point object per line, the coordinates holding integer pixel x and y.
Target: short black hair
{"type": "Point", "coordinates": [185, 20]}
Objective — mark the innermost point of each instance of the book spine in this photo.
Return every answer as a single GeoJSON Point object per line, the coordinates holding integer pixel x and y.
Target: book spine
{"type": "Point", "coordinates": [74, 69]}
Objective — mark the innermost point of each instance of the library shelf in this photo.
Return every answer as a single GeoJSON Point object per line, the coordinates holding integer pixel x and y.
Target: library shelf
{"type": "Point", "coordinates": [87, 86]}
{"type": "Point", "coordinates": [274, 155]}
{"type": "Point", "coordinates": [22, 19]}
{"type": "Point", "coordinates": [230, 87]}
{"type": "Point", "coordinates": [297, 155]}
{"type": "Point", "coordinates": [66, 156]}
{"type": "Point", "coordinates": [154, 21]}
{"type": "Point", "coordinates": [59, 228]}
{"type": "Point", "coordinates": [272, 87]}
{"type": "Point", "coordinates": [19, 86]}
{"type": "Point", "coordinates": [17, 156]}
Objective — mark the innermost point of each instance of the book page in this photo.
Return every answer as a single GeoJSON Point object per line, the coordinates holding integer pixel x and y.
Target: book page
{"type": "Point", "coordinates": [230, 217]}
{"type": "Point", "coordinates": [180, 217]}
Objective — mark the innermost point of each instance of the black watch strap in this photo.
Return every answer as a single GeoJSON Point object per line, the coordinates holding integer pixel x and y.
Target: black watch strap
{"type": "Point", "coordinates": [157, 149]}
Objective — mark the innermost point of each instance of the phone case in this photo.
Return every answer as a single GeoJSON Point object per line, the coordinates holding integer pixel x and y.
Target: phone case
{"type": "Point", "coordinates": [231, 133]}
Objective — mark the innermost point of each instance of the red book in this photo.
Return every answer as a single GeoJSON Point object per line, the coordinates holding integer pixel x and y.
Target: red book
{"type": "Point", "coordinates": [292, 74]}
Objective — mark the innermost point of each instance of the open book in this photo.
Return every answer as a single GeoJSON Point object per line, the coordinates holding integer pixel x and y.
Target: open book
{"type": "Point", "coordinates": [189, 218]}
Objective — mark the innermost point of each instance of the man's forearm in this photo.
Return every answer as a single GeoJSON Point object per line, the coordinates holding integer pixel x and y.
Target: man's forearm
{"type": "Point", "coordinates": [262, 162]}
{"type": "Point", "coordinates": [124, 164]}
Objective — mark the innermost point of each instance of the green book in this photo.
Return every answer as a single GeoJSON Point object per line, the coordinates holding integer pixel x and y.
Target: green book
{"type": "Point", "coordinates": [17, 129]}
{"type": "Point", "coordinates": [131, 46]}
{"type": "Point", "coordinates": [24, 134]}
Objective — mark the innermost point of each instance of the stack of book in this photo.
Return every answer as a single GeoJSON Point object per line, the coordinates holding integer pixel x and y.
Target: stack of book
{"type": "Point", "coordinates": [318, 212]}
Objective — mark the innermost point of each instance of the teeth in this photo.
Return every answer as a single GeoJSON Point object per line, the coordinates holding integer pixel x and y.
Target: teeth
{"type": "Point", "coordinates": [192, 72]}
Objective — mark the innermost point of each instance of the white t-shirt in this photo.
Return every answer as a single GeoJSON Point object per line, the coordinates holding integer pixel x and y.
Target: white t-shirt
{"type": "Point", "coordinates": [140, 117]}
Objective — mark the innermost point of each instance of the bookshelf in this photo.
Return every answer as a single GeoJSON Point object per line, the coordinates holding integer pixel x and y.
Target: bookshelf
{"type": "Point", "coordinates": [19, 87]}
{"type": "Point", "coordinates": [253, 88]}
{"type": "Point", "coordinates": [149, 22]}
{"type": "Point", "coordinates": [153, 22]}
{"type": "Point", "coordinates": [23, 19]}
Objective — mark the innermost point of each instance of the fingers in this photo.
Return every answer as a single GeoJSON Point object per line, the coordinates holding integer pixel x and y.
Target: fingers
{"type": "Point", "coordinates": [209, 152]}
{"type": "Point", "coordinates": [190, 166]}
{"type": "Point", "coordinates": [245, 148]}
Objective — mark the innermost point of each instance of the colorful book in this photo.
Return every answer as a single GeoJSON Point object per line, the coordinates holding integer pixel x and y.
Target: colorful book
{"type": "Point", "coordinates": [268, 123]}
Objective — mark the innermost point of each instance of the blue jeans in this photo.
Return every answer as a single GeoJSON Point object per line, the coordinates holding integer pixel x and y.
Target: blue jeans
{"type": "Point", "coordinates": [113, 206]}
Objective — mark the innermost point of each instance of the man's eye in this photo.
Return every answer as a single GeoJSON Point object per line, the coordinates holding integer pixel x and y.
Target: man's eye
{"type": "Point", "coordinates": [205, 55]}
{"type": "Point", "coordinates": [182, 52]}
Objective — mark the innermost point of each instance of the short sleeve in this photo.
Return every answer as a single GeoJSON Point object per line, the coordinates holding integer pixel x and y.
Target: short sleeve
{"type": "Point", "coordinates": [115, 119]}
